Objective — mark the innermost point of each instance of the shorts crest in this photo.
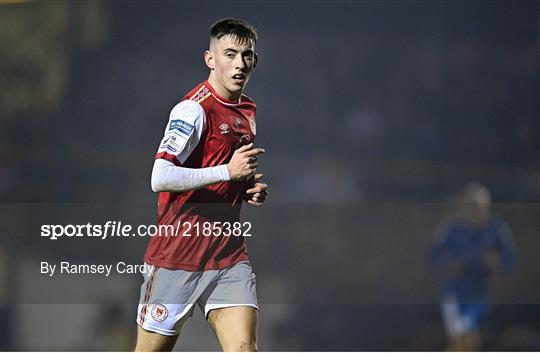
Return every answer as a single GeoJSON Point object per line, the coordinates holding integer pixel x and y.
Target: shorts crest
{"type": "Point", "coordinates": [159, 312]}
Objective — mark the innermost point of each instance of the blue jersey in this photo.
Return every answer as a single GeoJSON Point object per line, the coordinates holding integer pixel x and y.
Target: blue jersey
{"type": "Point", "coordinates": [470, 247]}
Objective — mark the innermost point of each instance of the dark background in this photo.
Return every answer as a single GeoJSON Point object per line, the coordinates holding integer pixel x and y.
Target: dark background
{"type": "Point", "coordinates": [373, 115]}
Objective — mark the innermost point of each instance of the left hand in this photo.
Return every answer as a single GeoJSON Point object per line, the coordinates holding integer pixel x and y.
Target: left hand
{"type": "Point", "coordinates": [258, 193]}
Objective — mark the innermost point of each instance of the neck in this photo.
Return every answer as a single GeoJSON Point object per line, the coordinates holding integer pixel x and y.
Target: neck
{"type": "Point", "coordinates": [222, 91]}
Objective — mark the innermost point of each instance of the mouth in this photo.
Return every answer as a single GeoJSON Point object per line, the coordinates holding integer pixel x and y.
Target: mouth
{"type": "Point", "coordinates": [239, 78]}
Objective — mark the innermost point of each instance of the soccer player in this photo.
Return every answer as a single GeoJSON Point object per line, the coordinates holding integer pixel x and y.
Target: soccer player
{"type": "Point", "coordinates": [468, 251]}
{"type": "Point", "coordinates": [205, 168]}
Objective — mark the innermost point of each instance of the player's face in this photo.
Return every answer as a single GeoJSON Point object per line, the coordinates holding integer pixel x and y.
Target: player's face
{"type": "Point", "coordinates": [476, 208]}
{"type": "Point", "coordinates": [232, 63]}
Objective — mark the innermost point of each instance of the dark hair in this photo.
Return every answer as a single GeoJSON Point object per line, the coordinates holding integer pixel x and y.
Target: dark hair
{"type": "Point", "coordinates": [243, 31]}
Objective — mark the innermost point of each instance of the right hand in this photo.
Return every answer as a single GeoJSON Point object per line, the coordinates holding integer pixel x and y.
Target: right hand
{"type": "Point", "coordinates": [243, 163]}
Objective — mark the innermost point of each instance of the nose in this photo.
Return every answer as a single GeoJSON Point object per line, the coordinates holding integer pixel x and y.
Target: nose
{"type": "Point", "coordinates": [240, 64]}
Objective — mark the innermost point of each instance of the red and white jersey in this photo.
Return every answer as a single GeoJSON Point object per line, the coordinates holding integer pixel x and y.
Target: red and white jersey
{"type": "Point", "coordinates": [203, 131]}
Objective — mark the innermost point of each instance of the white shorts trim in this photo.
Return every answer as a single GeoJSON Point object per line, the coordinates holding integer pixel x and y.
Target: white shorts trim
{"type": "Point", "coordinates": [455, 322]}
{"type": "Point", "coordinates": [209, 307]}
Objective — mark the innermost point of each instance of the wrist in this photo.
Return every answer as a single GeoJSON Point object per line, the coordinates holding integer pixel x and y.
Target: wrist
{"type": "Point", "coordinates": [225, 172]}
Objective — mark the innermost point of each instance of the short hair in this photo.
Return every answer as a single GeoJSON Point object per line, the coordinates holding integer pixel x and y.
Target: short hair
{"type": "Point", "coordinates": [243, 31]}
{"type": "Point", "coordinates": [474, 191]}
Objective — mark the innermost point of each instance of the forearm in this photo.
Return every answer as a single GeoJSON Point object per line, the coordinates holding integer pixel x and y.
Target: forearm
{"type": "Point", "coordinates": [168, 177]}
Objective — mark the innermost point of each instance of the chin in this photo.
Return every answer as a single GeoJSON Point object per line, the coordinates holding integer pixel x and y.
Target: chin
{"type": "Point", "coordinates": [236, 88]}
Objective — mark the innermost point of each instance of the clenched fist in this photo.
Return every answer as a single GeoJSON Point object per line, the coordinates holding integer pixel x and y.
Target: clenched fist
{"type": "Point", "coordinates": [258, 193]}
{"type": "Point", "coordinates": [243, 163]}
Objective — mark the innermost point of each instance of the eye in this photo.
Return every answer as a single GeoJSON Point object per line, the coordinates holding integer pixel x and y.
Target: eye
{"type": "Point", "coordinates": [230, 55]}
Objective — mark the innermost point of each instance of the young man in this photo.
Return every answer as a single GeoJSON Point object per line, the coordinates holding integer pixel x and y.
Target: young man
{"type": "Point", "coordinates": [204, 169]}
{"type": "Point", "coordinates": [469, 250]}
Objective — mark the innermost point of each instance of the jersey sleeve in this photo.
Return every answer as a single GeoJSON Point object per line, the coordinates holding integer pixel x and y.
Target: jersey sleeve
{"type": "Point", "coordinates": [182, 133]}
{"type": "Point", "coordinates": [505, 246]}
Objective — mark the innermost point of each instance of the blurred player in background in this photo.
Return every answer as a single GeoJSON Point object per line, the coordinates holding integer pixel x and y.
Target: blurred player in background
{"type": "Point", "coordinates": [468, 251]}
{"type": "Point", "coordinates": [204, 169]}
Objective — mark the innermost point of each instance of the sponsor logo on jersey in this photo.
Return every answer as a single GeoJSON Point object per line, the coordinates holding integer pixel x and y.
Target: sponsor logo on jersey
{"type": "Point", "coordinates": [252, 125]}
{"type": "Point", "coordinates": [172, 149]}
{"type": "Point", "coordinates": [159, 312]}
{"type": "Point", "coordinates": [245, 139]}
{"type": "Point", "coordinates": [224, 128]}
{"type": "Point", "coordinates": [182, 127]}
{"type": "Point", "coordinates": [171, 142]}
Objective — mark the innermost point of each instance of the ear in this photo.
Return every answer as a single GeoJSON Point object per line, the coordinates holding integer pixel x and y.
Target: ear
{"type": "Point", "coordinates": [256, 57]}
{"type": "Point", "coordinates": [209, 59]}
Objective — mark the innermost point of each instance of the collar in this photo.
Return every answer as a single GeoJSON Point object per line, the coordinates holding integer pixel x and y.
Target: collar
{"type": "Point", "coordinates": [219, 98]}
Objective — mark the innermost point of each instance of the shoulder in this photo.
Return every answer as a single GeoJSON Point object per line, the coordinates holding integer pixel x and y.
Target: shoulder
{"type": "Point", "coordinates": [246, 99]}
{"type": "Point", "coordinates": [497, 222]}
{"type": "Point", "coordinates": [187, 110]}
{"type": "Point", "coordinates": [447, 229]}
{"type": "Point", "coordinates": [186, 117]}
{"type": "Point", "coordinates": [248, 104]}
{"type": "Point", "coordinates": [452, 225]}
{"type": "Point", "coordinates": [198, 94]}
{"type": "Point", "coordinates": [500, 226]}
{"type": "Point", "coordinates": [444, 229]}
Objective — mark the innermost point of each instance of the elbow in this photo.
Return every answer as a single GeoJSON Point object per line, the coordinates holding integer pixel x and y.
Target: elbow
{"type": "Point", "coordinates": [166, 178]}
{"type": "Point", "coordinates": [155, 185]}
{"type": "Point", "coordinates": [161, 182]}
{"type": "Point", "coordinates": [162, 186]}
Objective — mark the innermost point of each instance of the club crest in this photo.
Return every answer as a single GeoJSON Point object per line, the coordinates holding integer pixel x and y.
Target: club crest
{"type": "Point", "coordinates": [159, 312]}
